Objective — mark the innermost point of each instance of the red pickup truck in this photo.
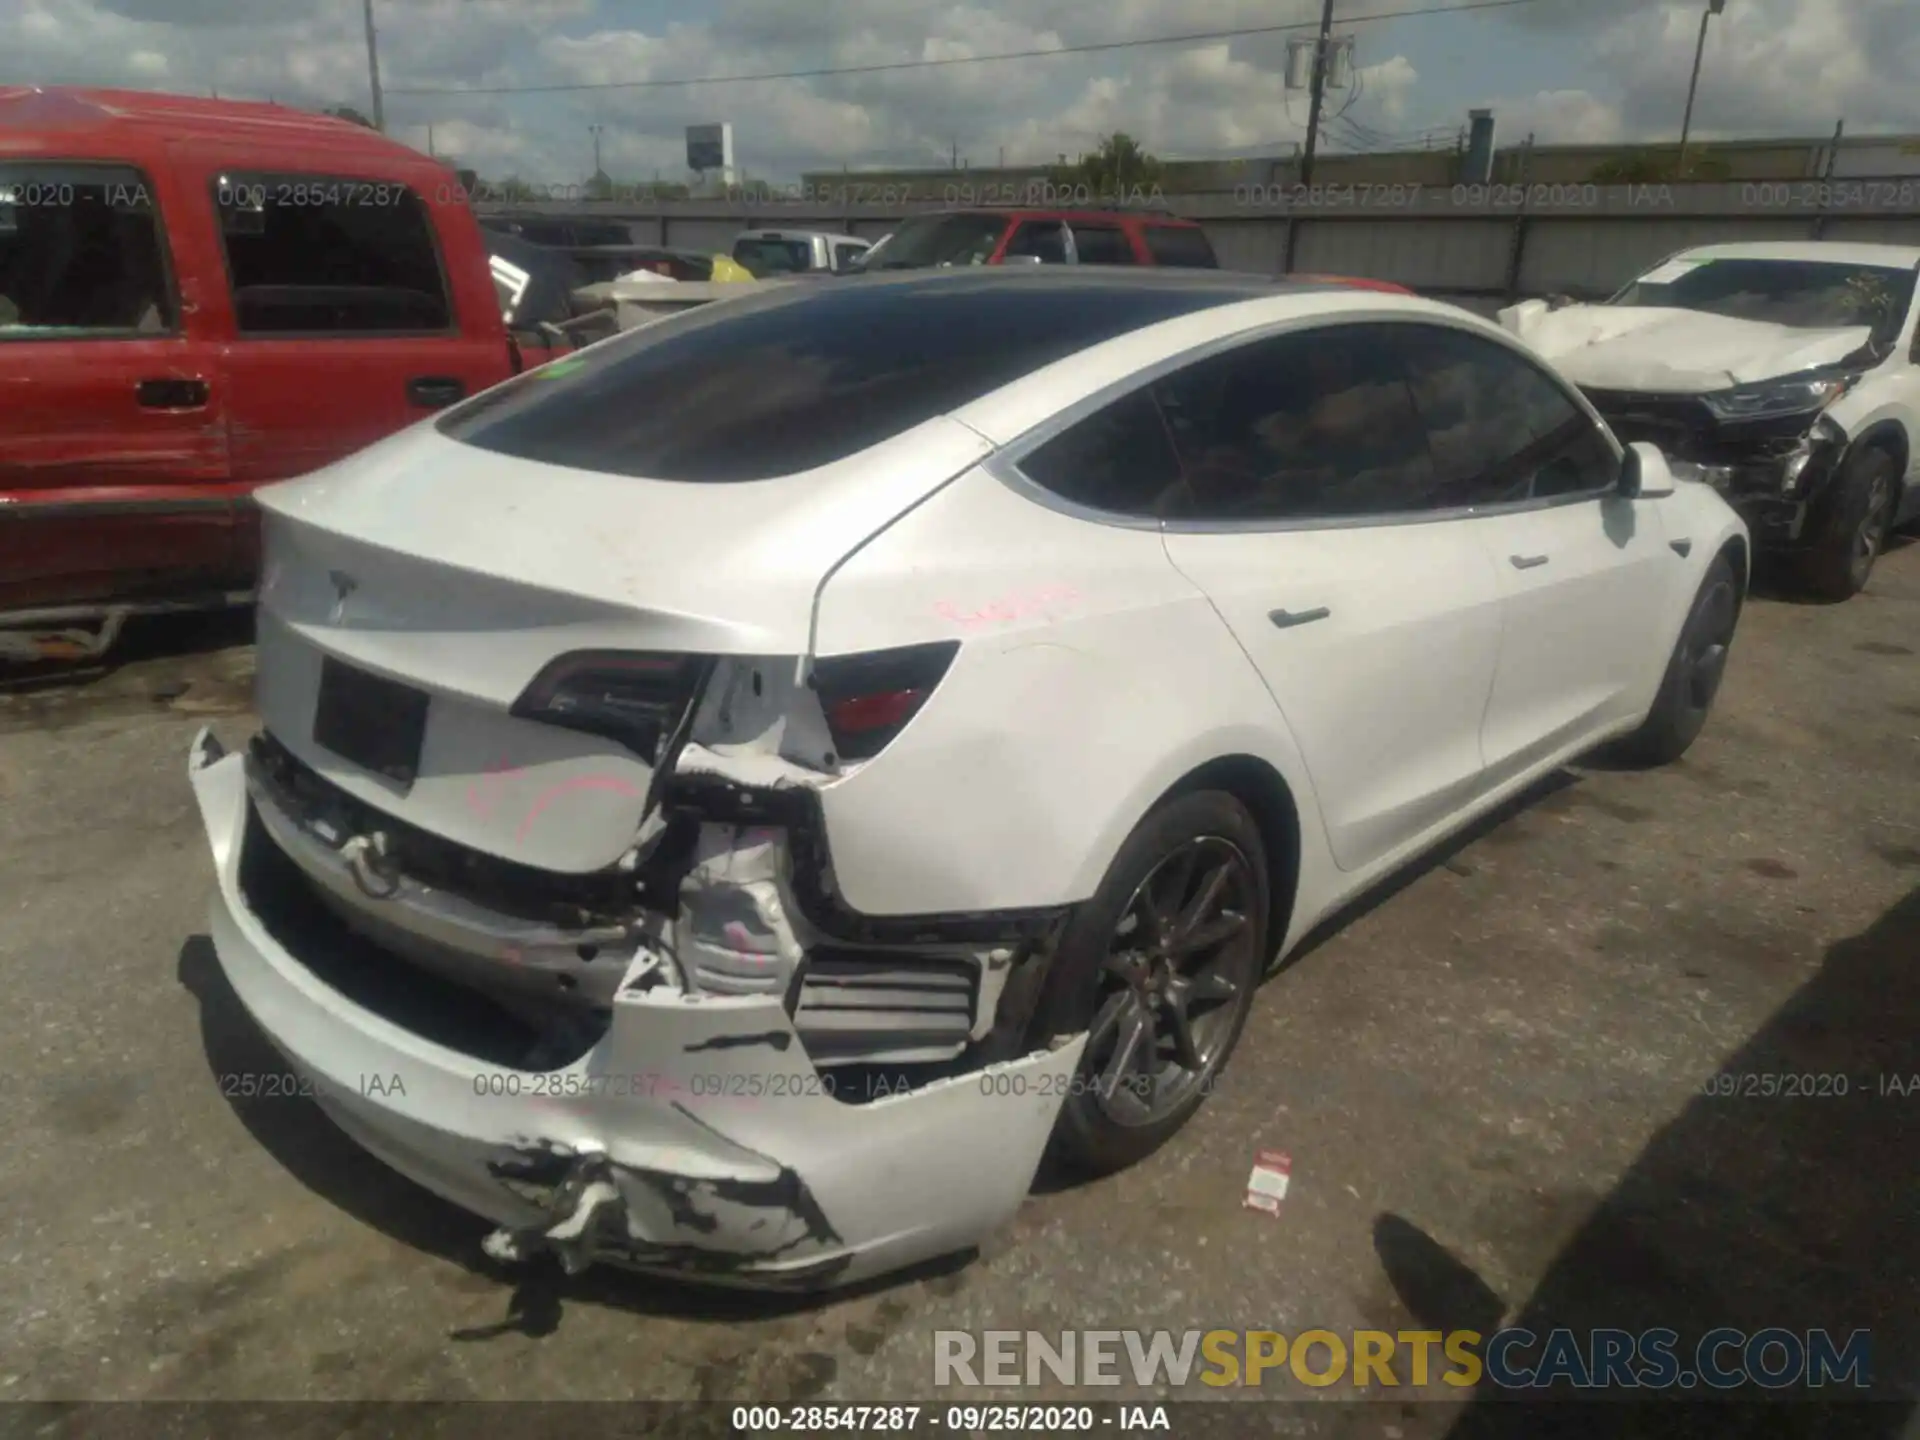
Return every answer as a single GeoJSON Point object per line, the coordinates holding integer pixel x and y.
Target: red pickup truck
{"type": "Point", "coordinates": [198, 297]}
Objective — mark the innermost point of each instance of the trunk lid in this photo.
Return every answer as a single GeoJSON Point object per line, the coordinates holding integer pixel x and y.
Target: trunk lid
{"type": "Point", "coordinates": [463, 573]}
{"type": "Point", "coordinates": [1659, 350]}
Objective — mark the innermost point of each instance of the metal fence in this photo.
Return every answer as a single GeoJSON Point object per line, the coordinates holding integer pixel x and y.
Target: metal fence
{"type": "Point", "coordinates": [1473, 242]}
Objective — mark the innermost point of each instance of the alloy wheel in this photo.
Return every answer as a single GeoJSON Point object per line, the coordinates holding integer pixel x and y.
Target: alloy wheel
{"type": "Point", "coordinates": [1704, 661]}
{"type": "Point", "coordinates": [1181, 956]}
{"type": "Point", "coordinates": [1873, 526]}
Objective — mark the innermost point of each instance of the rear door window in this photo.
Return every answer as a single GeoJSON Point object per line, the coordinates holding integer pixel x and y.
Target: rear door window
{"type": "Point", "coordinates": [1102, 245]}
{"type": "Point", "coordinates": [1310, 426]}
{"type": "Point", "coordinates": [1180, 245]}
{"type": "Point", "coordinates": [82, 253]}
{"type": "Point", "coordinates": [330, 254]}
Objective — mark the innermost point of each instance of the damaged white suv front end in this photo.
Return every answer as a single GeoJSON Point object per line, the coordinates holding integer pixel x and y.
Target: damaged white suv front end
{"type": "Point", "coordinates": [1785, 374]}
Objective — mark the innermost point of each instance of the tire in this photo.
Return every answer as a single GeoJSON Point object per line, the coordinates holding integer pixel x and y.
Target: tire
{"type": "Point", "coordinates": [1694, 671]}
{"type": "Point", "coordinates": [1852, 528]}
{"type": "Point", "coordinates": [1114, 976]}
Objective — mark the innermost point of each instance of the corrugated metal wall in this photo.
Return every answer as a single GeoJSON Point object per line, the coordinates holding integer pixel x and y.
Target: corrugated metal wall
{"type": "Point", "coordinates": [1479, 241]}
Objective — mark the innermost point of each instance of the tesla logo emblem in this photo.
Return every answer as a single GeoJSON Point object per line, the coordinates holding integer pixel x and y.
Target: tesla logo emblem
{"type": "Point", "coordinates": [343, 586]}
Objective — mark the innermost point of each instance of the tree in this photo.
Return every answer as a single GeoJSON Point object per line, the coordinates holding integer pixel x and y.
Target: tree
{"type": "Point", "coordinates": [347, 112]}
{"type": "Point", "coordinates": [1117, 169]}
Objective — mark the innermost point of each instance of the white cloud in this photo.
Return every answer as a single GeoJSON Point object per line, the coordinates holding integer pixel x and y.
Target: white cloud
{"type": "Point", "coordinates": [1559, 116]}
{"type": "Point", "coordinates": [1772, 67]}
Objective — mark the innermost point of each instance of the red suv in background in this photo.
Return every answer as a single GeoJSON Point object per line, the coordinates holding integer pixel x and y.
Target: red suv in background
{"type": "Point", "coordinates": [1056, 237]}
{"type": "Point", "coordinates": [199, 297]}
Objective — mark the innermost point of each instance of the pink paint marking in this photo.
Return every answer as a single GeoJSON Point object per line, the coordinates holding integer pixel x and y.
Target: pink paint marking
{"type": "Point", "coordinates": [612, 784]}
{"type": "Point", "coordinates": [739, 937]}
{"type": "Point", "coordinates": [1008, 608]}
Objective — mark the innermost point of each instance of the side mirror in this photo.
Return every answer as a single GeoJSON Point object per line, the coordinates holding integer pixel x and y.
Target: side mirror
{"type": "Point", "coordinates": [1644, 473]}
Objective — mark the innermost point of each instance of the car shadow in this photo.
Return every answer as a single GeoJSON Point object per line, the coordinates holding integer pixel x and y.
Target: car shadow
{"type": "Point", "coordinates": [1743, 1212]}
{"type": "Point", "coordinates": [320, 1156]}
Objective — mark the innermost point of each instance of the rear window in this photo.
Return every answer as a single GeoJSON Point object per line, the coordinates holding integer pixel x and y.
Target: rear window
{"type": "Point", "coordinates": [769, 255]}
{"type": "Point", "coordinates": [1180, 245]}
{"type": "Point", "coordinates": [801, 377]}
{"type": "Point", "coordinates": [1102, 244]}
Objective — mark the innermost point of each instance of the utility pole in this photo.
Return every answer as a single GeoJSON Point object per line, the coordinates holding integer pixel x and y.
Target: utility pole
{"type": "Point", "coordinates": [1714, 7]}
{"type": "Point", "coordinates": [373, 69]}
{"type": "Point", "coordinates": [1320, 49]}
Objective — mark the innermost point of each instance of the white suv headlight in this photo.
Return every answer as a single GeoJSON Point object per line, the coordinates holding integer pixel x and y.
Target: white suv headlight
{"type": "Point", "coordinates": [1776, 398]}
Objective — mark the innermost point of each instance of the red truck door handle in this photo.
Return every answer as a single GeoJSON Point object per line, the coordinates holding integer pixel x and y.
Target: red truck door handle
{"type": "Point", "coordinates": [171, 394]}
{"type": "Point", "coordinates": [432, 392]}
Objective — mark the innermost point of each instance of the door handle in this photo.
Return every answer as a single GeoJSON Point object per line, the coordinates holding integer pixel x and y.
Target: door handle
{"type": "Point", "coordinates": [1287, 619]}
{"type": "Point", "coordinates": [1527, 562]}
{"type": "Point", "coordinates": [171, 394]}
{"type": "Point", "coordinates": [435, 391]}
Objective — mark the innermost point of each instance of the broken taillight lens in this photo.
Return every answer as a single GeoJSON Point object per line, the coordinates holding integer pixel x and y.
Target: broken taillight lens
{"type": "Point", "coordinates": [620, 695]}
{"type": "Point", "coordinates": [869, 698]}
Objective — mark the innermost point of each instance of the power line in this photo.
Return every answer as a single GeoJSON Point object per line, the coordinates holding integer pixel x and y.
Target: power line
{"type": "Point", "coordinates": [1193, 38]}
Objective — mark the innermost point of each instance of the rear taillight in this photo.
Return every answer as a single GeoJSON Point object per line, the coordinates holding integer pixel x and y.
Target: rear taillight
{"type": "Point", "coordinates": [620, 695]}
{"type": "Point", "coordinates": [869, 698]}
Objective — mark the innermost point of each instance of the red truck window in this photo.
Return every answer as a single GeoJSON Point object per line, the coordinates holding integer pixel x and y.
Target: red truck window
{"type": "Point", "coordinates": [81, 254]}
{"type": "Point", "coordinates": [1102, 244]}
{"type": "Point", "coordinates": [328, 254]}
{"type": "Point", "coordinates": [1180, 245]}
{"type": "Point", "coordinates": [1044, 240]}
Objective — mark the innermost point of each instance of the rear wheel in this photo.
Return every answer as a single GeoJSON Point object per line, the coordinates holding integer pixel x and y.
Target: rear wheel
{"type": "Point", "coordinates": [1854, 527]}
{"type": "Point", "coordinates": [1694, 671]}
{"type": "Point", "coordinates": [1159, 968]}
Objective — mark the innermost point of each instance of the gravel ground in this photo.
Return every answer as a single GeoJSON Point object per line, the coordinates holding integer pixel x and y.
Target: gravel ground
{"type": "Point", "coordinates": [1490, 1081]}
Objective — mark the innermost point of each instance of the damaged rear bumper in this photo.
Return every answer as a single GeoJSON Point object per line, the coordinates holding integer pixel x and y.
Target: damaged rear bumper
{"type": "Point", "coordinates": [694, 1137]}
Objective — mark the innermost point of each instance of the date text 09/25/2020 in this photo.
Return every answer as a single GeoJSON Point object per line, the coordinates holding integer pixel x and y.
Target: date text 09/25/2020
{"type": "Point", "coordinates": [951, 1419]}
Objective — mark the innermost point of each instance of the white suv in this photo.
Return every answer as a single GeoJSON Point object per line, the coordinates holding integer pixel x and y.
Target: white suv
{"type": "Point", "coordinates": [1785, 374]}
{"type": "Point", "coordinates": [727, 799]}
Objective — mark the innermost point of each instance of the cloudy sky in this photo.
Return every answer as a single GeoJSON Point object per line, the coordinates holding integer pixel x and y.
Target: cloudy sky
{"type": "Point", "coordinates": [1564, 69]}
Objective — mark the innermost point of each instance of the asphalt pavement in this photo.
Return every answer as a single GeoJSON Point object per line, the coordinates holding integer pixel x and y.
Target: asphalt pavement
{"type": "Point", "coordinates": [1497, 1083]}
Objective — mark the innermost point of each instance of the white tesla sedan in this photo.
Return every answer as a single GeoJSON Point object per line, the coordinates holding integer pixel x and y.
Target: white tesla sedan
{"type": "Point", "coordinates": [727, 800]}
